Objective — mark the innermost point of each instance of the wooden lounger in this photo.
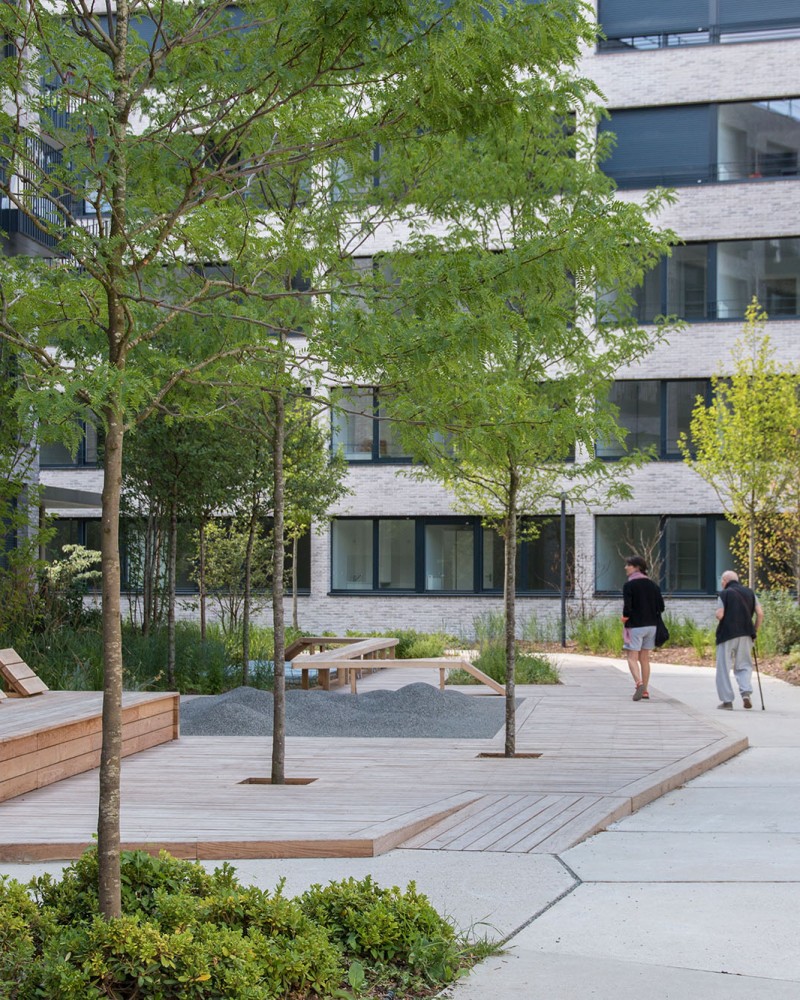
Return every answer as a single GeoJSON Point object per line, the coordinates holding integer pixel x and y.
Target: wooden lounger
{"type": "Point", "coordinates": [18, 675]}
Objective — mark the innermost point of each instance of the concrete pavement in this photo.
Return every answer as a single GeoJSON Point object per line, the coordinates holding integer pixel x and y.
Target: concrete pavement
{"type": "Point", "coordinates": [695, 895]}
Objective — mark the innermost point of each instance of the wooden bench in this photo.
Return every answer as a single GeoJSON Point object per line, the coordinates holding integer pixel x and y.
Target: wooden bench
{"type": "Point", "coordinates": [332, 661]}
{"type": "Point", "coordinates": [18, 675]}
{"type": "Point", "coordinates": [318, 643]}
{"type": "Point", "coordinates": [43, 740]}
{"type": "Point", "coordinates": [341, 661]}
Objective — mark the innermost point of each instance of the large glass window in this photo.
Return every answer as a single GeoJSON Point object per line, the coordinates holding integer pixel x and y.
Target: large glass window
{"type": "Point", "coordinates": [449, 557]}
{"type": "Point", "coordinates": [707, 281]}
{"type": "Point", "coordinates": [54, 454]}
{"type": "Point", "coordinates": [704, 143]}
{"type": "Point", "coordinates": [685, 554]}
{"type": "Point", "coordinates": [352, 555]}
{"type": "Point", "coordinates": [396, 563]}
{"type": "Point", "coordinates": [654, 414]}
{"type": "Point", "coordinates": [362, 432]}
{"type": "Point", "coordinates": [444, 555]}
{"type": "Point", "coordinates": [72, 531]}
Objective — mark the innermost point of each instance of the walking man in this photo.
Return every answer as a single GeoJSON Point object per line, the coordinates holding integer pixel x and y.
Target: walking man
{"type": "Point", "coordinates": [736, 606]}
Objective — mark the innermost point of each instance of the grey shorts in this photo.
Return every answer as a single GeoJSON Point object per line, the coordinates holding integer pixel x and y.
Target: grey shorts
{"type": "Point", "coordinates": [640, 638]}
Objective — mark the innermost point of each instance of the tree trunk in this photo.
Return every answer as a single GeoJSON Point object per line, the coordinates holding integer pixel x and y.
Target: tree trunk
{"type": "Point", "coordinates": [510, 607]}
{"type": "Point", "coordinates": [248, 583]}
{"type": "Point", "coordinates": [279, 689]}
{"type": "Point", "coordinates": [171, 585]}
{"type": "Point", "coordinates": [751, 556]}
{"type": "Point", "coordinates": [108, 820]}
{"type": "Point", "coordinates": [201, 579]}
{"type": "Point", "coordinates": [294, 581]}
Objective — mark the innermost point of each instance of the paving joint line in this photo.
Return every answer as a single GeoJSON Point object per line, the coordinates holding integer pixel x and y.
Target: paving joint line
{"type": "Point", "coordinates": [577, 882]}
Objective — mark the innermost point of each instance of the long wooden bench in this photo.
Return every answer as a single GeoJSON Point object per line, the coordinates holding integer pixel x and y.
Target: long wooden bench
{"type": "Point", "coordinates": [43, 740]}
{"type": "Point", "coordinates": [319, 643]}
{"type": "Point", "coordinates": [341, 660]}
{"type": "Point", "coordinates": [324, 663]}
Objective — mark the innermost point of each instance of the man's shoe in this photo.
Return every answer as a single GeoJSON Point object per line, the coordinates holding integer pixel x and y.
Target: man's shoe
{"type": "Point", "coordinates": [727, 705]}
{"type": "Point", "coordinates": [746, 701]}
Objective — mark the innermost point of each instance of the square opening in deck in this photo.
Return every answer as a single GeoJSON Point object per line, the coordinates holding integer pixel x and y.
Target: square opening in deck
{"type": "Point", "coordinates": [268, 781]}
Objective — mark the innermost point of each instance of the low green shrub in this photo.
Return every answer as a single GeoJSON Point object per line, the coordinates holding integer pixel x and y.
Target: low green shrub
{"type": "Point", "coordinates": [189, 933]}
{"type": "Point", "coordinates": [385, 927]}
{"type": "Point", "coordinates": [781, 628]}
{"type": "Point", "coordinates": [598, 635]}
{"type": "Point", "coordinates": [529, 668]}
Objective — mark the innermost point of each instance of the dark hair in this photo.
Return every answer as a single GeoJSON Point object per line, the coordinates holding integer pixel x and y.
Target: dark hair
{"type": "Point", "coordinates": [638, 562]}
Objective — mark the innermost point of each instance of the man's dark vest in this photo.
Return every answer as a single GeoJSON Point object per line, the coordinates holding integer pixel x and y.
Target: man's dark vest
{"type": "Point", "coordinates": [740, 606]}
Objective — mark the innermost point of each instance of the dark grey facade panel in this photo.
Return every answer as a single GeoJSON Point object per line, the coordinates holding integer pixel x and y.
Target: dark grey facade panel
{"type": "Point", "coordinates": [764, 14]}
{"type": "Point", "coordinates": [661, 145]}
{"type": "Point", "coordinates": [629, 18]}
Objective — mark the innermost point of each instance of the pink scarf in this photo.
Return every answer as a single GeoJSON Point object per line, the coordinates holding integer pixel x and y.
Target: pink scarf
{"type": "Point", "coordinates": [636, 575]}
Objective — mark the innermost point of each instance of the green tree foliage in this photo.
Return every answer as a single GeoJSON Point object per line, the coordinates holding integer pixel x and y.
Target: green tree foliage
{"type": "Point", "coordinates": [200, 136]}
{"type": "Point", "coordinates": [487, 333]}
{"type": "Point", "coordinates": [742, 444]}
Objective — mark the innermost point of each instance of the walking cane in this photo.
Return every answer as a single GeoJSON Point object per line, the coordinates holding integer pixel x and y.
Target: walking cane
{"type": "Point", "coordinates": [758, 675]}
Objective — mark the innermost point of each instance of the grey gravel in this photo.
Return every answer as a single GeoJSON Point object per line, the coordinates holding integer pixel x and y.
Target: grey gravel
{"type": "Point", "coordinates": [416, 710]}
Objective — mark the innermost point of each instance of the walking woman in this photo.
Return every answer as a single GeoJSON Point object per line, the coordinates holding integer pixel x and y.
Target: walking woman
{"type": "Point", "coordinates": [642, 604]}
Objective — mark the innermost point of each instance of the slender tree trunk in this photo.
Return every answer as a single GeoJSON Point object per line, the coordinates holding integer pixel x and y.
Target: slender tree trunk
{"type": "Point", "coordinates": [148, 573]}
{"type": "Point", "coordinates": [751, 556]}
{"type": "Point", "coordinates": [509, 601]}
{"type": "Point", "coordinates": [108, 820]}
{"type": "Point", "coordinates": [279, 719]}
{"type": "Point", "coordinates": [171, 586]}
{"type": "Point", "coordinates": [201, 581]}
{"type": "Point", "coordinates": [248, 583]}
{"type": "Point", "coordinates": [294, 581]}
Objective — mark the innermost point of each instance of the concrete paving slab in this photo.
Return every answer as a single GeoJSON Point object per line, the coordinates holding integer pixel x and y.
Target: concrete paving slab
{"type": "Point", "coordinates": [735, 929]}
{"type": "Point", "coordinates": [623, 856]}
{"type": "Point", "coordinates": [488, 895]}
{"type": "Point", "coordinates": [568, 977]}
{"type": "Point", "coordinates": [757, 767]}
{"type": "Point", "coordinates": [720, 809]}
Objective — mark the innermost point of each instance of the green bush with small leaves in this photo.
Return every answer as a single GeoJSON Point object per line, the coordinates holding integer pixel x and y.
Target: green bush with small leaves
{"type": "Point", "coordinates": [190, 934]}
{"type": "Point", "coordinates": [385, 927]}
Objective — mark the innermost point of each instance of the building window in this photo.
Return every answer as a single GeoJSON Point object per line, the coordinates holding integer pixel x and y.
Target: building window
{"type": "Point", "coordinates": [360, 430]}
{"type": "Point", "coordinates": [702, 143]}
{"type": "Point", "coordinates": [710, 281]}
{"type": "Point", "coordinates": [450, 557]}
{"type": "Point", "coordinates": [654, 414]}
{"type": "Point", "coordinates": [443, 556]}
{"type": "Point", "coordinates": [686, 554]}
{"type": "Point", "coordinates": [631, 24]}
{"type": "Point", "coordinates": [72, 531]}
{"type": "Point", "coordinates": [55, 455]}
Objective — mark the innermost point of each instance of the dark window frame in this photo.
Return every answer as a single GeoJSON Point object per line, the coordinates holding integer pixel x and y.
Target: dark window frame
{"type": "Point", "coordinates": [663, 454]}
{"type": "Point", "coordinates": [375, 457]}
{"type": "Point", "coordinates": [709, 556]}
{"type": "Point", "coordinates": [524, 553]}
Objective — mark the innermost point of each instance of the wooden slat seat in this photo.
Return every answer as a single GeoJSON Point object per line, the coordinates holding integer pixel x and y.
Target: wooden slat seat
{"type": "Point", "coordinates": [331, 661]}
{"type": "Point", "coordinates": [340, 660]}
{"type": "Point", "coordinates": [19, 676]}
{"type": "Point", "coordinates": [318, 643]}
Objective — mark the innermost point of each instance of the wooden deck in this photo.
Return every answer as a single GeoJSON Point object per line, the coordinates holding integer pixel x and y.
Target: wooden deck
{"type": "Point", "coordinates": [602, 757]}
{"type": "Point", "coordinates": [58, 734]}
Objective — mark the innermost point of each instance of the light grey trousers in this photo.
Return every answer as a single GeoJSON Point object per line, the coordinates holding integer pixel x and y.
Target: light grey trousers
{"type": "Point", "coordinates": [735, 654]}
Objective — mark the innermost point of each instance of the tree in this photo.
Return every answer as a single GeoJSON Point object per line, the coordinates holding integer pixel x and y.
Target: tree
{"type": "Point", "coordinates": [143, 145]}
{"type": "Point", "coordinates": [491, 343]}
{"type": "Point", "coordinates": [740, 444]}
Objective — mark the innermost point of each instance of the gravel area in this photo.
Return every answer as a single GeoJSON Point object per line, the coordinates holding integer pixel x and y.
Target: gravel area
{"type": "Point", "coordinates": [416, 710]}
